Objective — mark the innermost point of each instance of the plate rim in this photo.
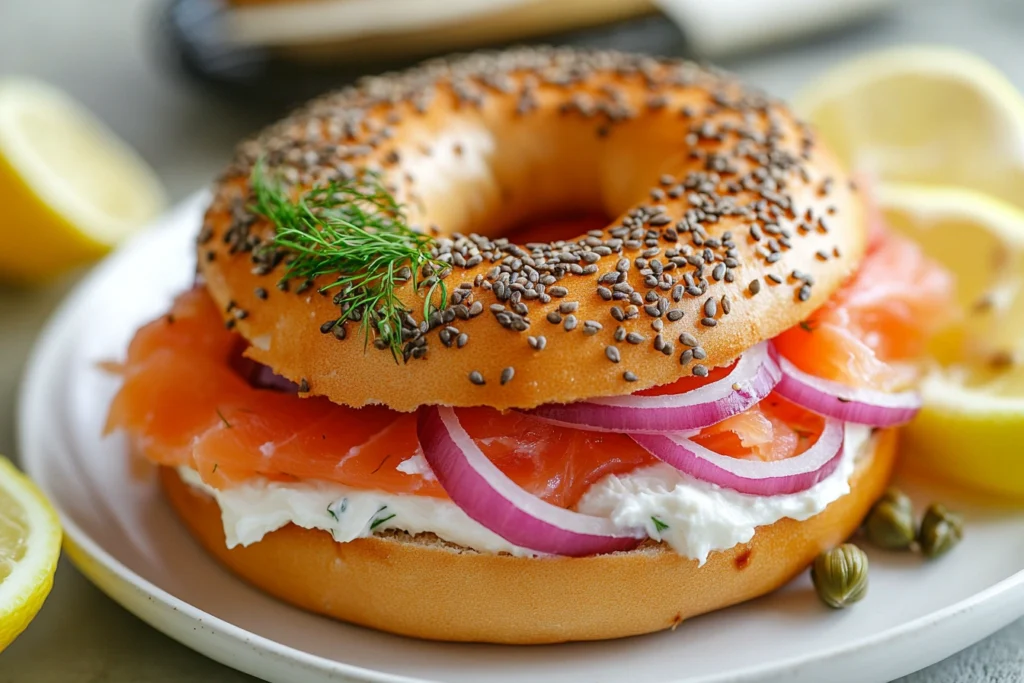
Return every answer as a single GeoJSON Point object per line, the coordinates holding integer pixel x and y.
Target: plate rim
{"type": "Point", "coordinates": [48, 342]}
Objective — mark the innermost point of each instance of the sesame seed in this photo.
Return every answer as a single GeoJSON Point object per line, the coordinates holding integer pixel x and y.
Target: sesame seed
{"type": "Point", "coordinates": [674, 315]}
{"type": "Point", "coordinates": [612, 353]}
{"type": "Point", "coordinates": [686, 357]}
{"type": "Point", "coordinates": [476, 378]}
{"type": "Point", "coordinates": [754, 286]}
{"type": "Point", "coordinates": [570, 323]}
{"type": "Point", "coordinates": [805, 293]}
{"type": "Point", "coordinates": [554, 318]}
{"type": "Point", "coordinates": [507, 374]}
{"type": "Point", "coordinates": [700, 370]}
{"type": "Point", "coordinates": [629, 376]}
{"type": "Point", "coordinates": [708, 322]}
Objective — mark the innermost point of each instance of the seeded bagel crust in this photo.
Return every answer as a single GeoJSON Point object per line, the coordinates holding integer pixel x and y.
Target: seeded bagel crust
{"type": "Point", "coordinates": [423, 587]}
{"type": "Point", "coordinates": [732, 224]}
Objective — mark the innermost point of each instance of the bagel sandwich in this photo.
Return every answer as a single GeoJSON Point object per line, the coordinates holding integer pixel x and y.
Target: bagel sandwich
{"type": "Point", "coordinates": [532, 346]}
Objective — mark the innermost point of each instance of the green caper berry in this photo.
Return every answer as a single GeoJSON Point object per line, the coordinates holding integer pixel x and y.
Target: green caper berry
{"type": "Point", "coordinates": [889, 525]}
{"type": "Point", "coordinates": [840, 575]}
{"type": "Point", "coordinates": [941, 530]}
{"type": "Point", "coordinates": [897, 498]}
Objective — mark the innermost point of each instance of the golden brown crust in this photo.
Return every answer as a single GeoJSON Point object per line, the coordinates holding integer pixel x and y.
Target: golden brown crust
{"type": "Point", "coordinates": [429, 590]}
{"type": "Point", "coordinates": [681, 156]}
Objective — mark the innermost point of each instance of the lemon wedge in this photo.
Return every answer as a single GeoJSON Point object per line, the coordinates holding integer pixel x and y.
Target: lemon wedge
{"type": "Point", "coordinates": [69, 188]}
{"type": "Point", "coordinates": [972, 422]}
{"type": "Point", "coordinates": [29, 547]}
{"type": "Point", "coordinates": [923, 115]}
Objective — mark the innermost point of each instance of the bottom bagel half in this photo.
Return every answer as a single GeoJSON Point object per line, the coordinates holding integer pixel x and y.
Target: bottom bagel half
{"type": "Point", "coordinates": [424, 587]}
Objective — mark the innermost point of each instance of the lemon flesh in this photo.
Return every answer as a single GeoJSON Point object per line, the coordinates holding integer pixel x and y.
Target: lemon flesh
{"type": "Point", "coordinates": [70, 189]}
{"type": "Point", "coordinates": [971, 426]}
{"type": "Point", "coordinates": [29, 547]}
{"type": "Point", "coordinates": [924, 115]}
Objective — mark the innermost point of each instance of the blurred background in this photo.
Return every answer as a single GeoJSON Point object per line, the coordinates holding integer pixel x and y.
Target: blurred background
{"type": "Point", "coordinates": [181, 81]}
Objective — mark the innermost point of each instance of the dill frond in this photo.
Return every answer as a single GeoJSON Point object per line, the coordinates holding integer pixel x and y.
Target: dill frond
{"type": "Point", "coordinates": [354, 232]}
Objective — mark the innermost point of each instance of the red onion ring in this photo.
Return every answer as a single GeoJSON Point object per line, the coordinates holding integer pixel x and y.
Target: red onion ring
{"type": "Point", "coordinates": [488, 496]}
{"type": "Point", "coordinates": [756, 477]}
{"type": "Point", "coordinates": [752, 378]}
{"type": "Point", "coordinates": [265, 378]}
{"type": "Point", "coordinates": [846, 403]}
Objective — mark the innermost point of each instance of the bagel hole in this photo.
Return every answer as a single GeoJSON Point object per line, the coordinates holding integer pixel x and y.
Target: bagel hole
{"type": "Point", "coordinates": [552, 227]}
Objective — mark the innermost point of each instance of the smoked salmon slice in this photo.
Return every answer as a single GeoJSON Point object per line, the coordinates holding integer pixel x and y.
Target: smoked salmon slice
{"type": "Point", "coordinates": [874, 329]}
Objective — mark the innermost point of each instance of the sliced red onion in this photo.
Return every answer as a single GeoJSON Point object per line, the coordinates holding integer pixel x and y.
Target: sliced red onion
{"type": "Point", "coordinates": [488, 496]}
{"type": "Point", "coordinates": [756, 477]}
{"type": "Point", "coordinates": [752, 378]}
{"type": "Point", "coordinates": [265, 378]}
{"type": "Point", "coordinates": [260, 376]}
{"type": "Point", "coordinates": [846, 403]}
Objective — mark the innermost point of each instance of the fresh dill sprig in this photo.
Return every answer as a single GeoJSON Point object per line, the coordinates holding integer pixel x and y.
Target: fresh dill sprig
{"type": "Point", "coordinates": [354, 232]}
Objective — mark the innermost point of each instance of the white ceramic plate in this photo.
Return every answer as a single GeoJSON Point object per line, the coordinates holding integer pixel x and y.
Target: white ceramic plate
{"type": "Point", "coordinates": [124, 538]}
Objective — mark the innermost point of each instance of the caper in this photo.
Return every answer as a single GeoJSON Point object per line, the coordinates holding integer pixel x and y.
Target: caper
{"type": "Point", "coordinates": [941, 529]}
{"type": "Point", "coordinates": [840, 575]}
{"type": "Point", "coordinates": [890, 525]}
{"type": "Point", "coordinates": [897, 498]}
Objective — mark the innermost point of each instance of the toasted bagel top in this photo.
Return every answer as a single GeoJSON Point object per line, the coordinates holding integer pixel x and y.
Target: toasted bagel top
{"type": "Point", "coordinates": [732, 224]}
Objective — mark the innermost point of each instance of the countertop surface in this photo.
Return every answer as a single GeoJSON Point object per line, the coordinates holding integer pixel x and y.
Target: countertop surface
{"type": "Point", "coordinates": [107, 55]}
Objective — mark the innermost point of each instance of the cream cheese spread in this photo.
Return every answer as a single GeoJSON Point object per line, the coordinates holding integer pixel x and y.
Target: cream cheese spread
{"type": "Point", "coordinates": [693, 517]}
